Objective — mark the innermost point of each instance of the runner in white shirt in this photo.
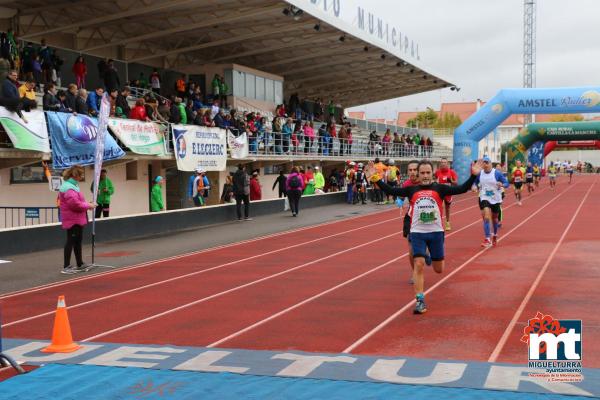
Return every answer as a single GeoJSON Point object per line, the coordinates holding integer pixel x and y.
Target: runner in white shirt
{"type": "Point", "coordinates": [490, 181]}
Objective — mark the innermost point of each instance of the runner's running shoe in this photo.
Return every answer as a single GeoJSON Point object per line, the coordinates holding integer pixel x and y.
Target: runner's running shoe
{"type": "Point", "coordinates": [494, 240]}
{"type": "Point", "coordinates": [420, 307]}
{"type": "Point", "coordinates": [486, 243]}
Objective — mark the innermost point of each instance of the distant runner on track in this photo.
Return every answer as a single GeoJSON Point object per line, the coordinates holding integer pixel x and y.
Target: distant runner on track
{"type": "Point", "coordinates": [570, 172]}
{"type": "Point", "coordinates": [446, 176]}
{"type": "Point", "coordinates": [518, 176]}
{"type": "Point", "coordinates": [552, 174]}
{"type": "Point", "coordinates": [426, 231]}
{"type": "Point", "coordinates": [490, 181]}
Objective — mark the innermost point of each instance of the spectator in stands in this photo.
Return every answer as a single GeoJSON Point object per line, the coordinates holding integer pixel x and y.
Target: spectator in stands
{"type": "Point", "coordinates": [73, 212]}
{"type": "Point", "coordinates": [57, 64]}
{"type": "Point", "coordinates": [319, 110]}
{"type": "Point", "coordinates": [93, 101]}
{"type": "Point", "coordinates": [219, 120]}
{"type": "Point", "coordinates": [294, 106]}
{"type": "Point", "coordinates": [197, 101]}
{"type": "Point", "coordinates": [143, 82]}
{"type": "Point", "coordinates": [206, 120]}
{"type": "Point", "coordinates": [102, 66]}
{"type": "Point", "coordinates": [37, 70]}
{"type": "Point", "coordinates": [280, 111]}
{"type": "Point", "coordinates": [182, 111]}
{"type": "Point", "coordinates": [80, 71]}
{"type": "Point", "coordinates": [349, 140]}
{"type": "Point", "coordinates": [417, 143]}
{"type": "Point", "coordinates": [61, 95]}
{"type": "Point", "coordinates": [139, 111]}
{"type": "Point", "coordinates": [308, 109]}
{"type": "Point", "coordinates": [180, 86]}
{"type": "Point", "coordinates": [81, 104]}
{"type": "Point", "coordinates": [71, 97]}
{"type": "Point", "coordinates": [175, 113]}
{"type": "Point", "coordinates": [255, 187]}
{"type": "Point", "coordinates": [331, 129]}
{"type": "Point", "coordinates": [152, 111]}
{"type": "Point", "coordinates": [214, 110]}
{"type": "Point", "coordinates": [156, 198]}
{"type": "Point", "coordinates": [286, 135]}
{"type": "Point", "coordinates": [322, 134]}
{"type": "Point", "coordinates": [164, 108]}
{"type": "Point", "coordinates": [216, 87]}
{"type": "Point", "coordinates": [309, 136]}
{"type": "Point", "coordinates": [223, 92]}
{"type": "Point", "coordinates": [294, 187]}
{"type": "Point", "coordinates": [45, 54]}
{"type": "Point", "coordinates": [27, 90]}
{"type": "Point", "coordinates": [331, 109]}
{"type": "Point", "coordinates": [241, 190]}
{"type": "Point", "coordinates": [112, 97]}
{"type": "Point", "coordinates": [49, 101]}
{"type": "Point", "coordinates": [111, 77]}
{"type": "Point", "coordinates": [155, 81]}
{"type": "Point", "coordinates": [429, 146]}
{"type": "Point", "coordinates": [386, 142]}
{"type": "Point", "coordinates": [122, 100]}
{"type": "Point", "coordinates": [373, 143]}
{"type": "Point", "coordinates": [27, 56]}
{"type": "Point", "coordinates": [297, 136]}
{"type": "Point", "coordinates": [343, 136]}
{"type": "Point", "coordinates": [252, 138]}
{"type": "Point", "coordinates": [5, 67]}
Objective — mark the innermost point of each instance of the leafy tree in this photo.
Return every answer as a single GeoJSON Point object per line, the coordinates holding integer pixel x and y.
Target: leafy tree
{"type": "Point", "coordinates": [566, 117]}
{"type": "Point", "coordinates": [447, 121]}
{"type": "Point", "coordinates": [424, 119]}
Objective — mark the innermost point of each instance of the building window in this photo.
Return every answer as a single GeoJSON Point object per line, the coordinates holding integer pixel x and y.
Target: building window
{"type": "Point", "coordinates": [32, 174]}
{"type": "Point", "coordinates": [278, 92]}
{"type": "Point", "coordinates": [260, 88]}
{"type": "Point", "coordinates": [239, 85]}
{"type": "Point", "coordinates": [250, 86]}
{"type": "Point", "coordinates": [270, 90]}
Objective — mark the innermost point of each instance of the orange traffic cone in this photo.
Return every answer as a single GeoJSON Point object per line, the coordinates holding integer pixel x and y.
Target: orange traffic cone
{"type": "Point", "coordinates": [62, 340]}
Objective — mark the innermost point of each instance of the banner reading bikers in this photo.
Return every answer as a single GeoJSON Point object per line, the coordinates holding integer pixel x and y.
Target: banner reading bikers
{"type": "Point", "coordinates": [199, 147]}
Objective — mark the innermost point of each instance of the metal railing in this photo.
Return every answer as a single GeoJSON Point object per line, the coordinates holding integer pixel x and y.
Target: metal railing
{"type": "Point", "coordinates": [11, 217]}
{"type": "Point", "coordinates": [278, 144]}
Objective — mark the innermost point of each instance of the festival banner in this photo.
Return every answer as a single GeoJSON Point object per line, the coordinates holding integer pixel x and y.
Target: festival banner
{"type": "Point", "coordinates": [30, 135]}
{"type": "Point", "coordinates": [140, 137]}
{"type": "Point", "coordinates": [74, 140]}
{"type": "Point", "coordinates": [238, 146]}
{"type": "Point", "coordinates": [199, 147]}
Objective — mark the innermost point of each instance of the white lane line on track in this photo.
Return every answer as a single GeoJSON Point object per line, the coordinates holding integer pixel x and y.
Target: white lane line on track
{"type": "Point", "coordinates": [534, 285]}
{"type": "Point", "coordinates": [51, 312]}
{"type": "Point", "coordinates": [179, 256]}
{"type": "Point", "coordinates": [197, 272]}
{"type": "Point", "coordinates": [345, 283]}
{"type": "Point", "coordinates": [383, 324]}
{"type": "Point", "coordinates": [247, 285]}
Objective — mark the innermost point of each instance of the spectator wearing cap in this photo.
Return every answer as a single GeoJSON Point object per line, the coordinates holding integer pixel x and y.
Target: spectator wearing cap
{"type": "Point", "coordinates": [319, 181]}
{"type": "Point", "coordinates": [156, 198]}
{"type": "Point", "coordinates": [255, 187]}
{"type": "Point", "coordinates": [199, 187]}
{"type": "Point", "coordinates": [241, 190]}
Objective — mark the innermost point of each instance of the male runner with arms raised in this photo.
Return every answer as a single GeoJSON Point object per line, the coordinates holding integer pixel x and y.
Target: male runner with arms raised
{"type": "Point", "coordinates": [426, 231]}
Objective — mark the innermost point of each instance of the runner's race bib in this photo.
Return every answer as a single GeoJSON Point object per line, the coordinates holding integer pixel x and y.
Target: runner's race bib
{"type": "Point", "coordinates": [518, 179]}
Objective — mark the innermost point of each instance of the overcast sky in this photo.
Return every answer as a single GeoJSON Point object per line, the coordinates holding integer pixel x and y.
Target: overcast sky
{"type": "Point", "coordinates": [478, 45]}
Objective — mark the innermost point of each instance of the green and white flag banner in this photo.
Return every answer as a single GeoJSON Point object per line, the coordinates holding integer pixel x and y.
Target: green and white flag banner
{"type": "Point", "coordinates": [30, 135]}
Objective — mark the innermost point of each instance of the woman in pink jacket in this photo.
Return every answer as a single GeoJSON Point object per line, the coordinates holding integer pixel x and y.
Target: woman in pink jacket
{"type": "Point", "coordinates": [294, 186]}
{"type": "Point", "coordinates": [73, 212]}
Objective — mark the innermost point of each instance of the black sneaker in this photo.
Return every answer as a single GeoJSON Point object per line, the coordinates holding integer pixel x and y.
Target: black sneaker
{"type": "Point", "coordinates": [247, 219]}
{"type": "Point", "coordinates": [420, 307]}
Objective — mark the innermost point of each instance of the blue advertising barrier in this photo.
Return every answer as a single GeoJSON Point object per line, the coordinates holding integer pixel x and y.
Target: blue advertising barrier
{"type": "Point", "coordinates": [517, 101]}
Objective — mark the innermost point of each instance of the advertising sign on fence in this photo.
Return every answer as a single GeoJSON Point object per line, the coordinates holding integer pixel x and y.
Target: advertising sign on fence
{"type": "Point", "coordinates": [238, 146]}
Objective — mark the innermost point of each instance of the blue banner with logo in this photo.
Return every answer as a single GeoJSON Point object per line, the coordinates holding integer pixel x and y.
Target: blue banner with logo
{"type": "Point", "coordinates": [73, 139]}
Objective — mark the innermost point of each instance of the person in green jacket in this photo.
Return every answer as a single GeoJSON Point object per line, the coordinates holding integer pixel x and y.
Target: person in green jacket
{"type": "Point", "coordinates": [319, 181]}
{"type": "Point", "coordinates": [156, 198]}
{"type": "Point", "coordinates": [105, 191]}
{"type": "Point", "coordinates": [223, 90]}
{"type": "Point", "coordinates": [183, 113]}
{"type": "Point", "coordinates": [310, 188]}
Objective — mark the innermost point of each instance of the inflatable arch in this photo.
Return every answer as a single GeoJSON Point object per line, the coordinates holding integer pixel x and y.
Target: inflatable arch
{"type": "Point", "coordinates": [548, 133]}
{"type": "Point", "coordinates": [517, 101]}
{"type": "Point", "coordinates": [551, 145]}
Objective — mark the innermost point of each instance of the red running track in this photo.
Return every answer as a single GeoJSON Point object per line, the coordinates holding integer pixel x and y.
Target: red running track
{"type": "Point", "coordinates": [343, 286]}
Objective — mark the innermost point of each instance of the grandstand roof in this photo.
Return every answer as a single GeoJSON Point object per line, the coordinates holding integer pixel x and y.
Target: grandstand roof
{"type": "Point", "coordinates": [256, 33]}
